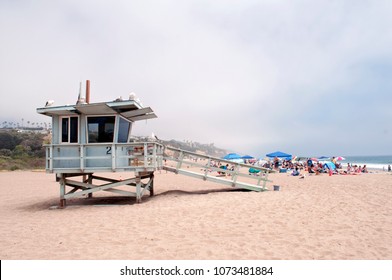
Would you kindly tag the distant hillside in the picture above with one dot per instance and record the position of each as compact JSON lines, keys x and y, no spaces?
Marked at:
{"x":207,"y":149}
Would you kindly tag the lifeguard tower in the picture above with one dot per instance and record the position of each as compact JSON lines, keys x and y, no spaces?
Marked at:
{"x":89,"y":138}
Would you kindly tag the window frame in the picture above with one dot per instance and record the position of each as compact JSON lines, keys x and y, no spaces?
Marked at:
{"x":69,"y":130}
{"x":118,"y":129}
{"x":101,"y":116}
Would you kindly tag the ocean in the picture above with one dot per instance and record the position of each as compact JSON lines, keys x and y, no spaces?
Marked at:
{"x":372,"y":162}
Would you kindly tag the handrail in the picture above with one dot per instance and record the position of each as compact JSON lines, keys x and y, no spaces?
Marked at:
{"x":104,"y":156}
{"x":262,"y":169}
{"x":205,"y":171}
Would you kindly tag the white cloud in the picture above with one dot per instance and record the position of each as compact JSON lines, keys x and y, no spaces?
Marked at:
{"x":250,"y":75}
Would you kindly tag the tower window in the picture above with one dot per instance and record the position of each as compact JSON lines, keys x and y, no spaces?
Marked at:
{"x":69,"y":129}
{"x":123,"y":130}
{"x":100,"y":129}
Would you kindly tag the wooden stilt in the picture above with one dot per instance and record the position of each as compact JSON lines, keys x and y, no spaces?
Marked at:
{"x":138,"y":188}
{"x":90,"y":182}
{"x":62,"y":203}
{"x":152,"y":184}
{"x":62,"y":190}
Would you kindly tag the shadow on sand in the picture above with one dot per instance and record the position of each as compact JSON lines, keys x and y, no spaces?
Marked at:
{"x":102,"y":201}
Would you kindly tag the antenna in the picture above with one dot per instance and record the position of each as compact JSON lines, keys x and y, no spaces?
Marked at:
{"x":81,"y":100}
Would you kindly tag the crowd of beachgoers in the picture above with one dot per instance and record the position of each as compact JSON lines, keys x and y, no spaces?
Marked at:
{"x":295,"y":167}
{"x":311,"y":166}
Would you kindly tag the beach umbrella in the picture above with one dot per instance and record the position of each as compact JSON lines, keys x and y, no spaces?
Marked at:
{"x":339,"y":158}
{"x":330,"y":165}
{"x":247,"y":157}
{"x":324,"y":158}
{"x":279,"y":155}
{"x":232,"y":156}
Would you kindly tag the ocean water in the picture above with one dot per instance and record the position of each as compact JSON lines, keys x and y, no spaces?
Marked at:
{"x":372,"y":162}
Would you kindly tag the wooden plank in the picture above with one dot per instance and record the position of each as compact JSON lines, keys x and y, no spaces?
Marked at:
{"x":220,"y":180}
{"x":94,"y":188}
{"x":122,"y":192}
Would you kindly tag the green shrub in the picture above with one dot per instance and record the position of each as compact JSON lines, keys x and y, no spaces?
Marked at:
{"x":14,"y":167}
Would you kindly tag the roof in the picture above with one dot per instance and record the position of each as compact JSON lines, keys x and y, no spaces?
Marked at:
{"x":129,"y":109}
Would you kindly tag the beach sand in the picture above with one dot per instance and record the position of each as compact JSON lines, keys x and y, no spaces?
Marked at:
{"x":320,"y":217}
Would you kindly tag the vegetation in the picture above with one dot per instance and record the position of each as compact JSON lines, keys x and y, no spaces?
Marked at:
{"x":22,"y":150}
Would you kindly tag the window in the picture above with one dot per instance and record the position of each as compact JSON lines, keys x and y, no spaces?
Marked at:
{"x":123,"y":131}
{"x":69,"y":129}
{"x":100,"y":129}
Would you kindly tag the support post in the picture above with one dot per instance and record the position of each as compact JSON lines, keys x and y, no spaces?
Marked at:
{"x":90,"y":182}
{"x":152,"y":184}
{"x":138,"y":188}
{"x":62,"y":190}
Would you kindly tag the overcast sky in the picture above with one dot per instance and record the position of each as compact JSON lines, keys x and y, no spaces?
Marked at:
{"x":305,"y":77}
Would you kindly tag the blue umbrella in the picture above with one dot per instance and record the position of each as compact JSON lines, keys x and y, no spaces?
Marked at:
{"x":330,"y":165}
{"x":247,"y":157}
{"x":232,"y":156}
{"x":279,"y":155}
{"x":323,"y":158}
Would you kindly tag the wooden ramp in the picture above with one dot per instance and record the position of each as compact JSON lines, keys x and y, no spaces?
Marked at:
{"x":209,"y":168}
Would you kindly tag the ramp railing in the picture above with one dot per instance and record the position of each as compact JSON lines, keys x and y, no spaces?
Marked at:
{"x":217,"y":170}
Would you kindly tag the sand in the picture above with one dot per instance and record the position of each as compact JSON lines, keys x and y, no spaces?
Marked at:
{"x":320,"y":217}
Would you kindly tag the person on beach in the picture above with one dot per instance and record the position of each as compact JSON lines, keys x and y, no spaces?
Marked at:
{"x":349,"y":168}
{"x":364,"y":169}
{"x":295,"y":172}
{"x":224,"y":167}
{"x":313,"y":169}
{"x":309,"y":164}
{"x":389,"y":168}
{"x":276,"y":163}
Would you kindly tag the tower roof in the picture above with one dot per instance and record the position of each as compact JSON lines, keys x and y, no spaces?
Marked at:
{"x":129,"y":109}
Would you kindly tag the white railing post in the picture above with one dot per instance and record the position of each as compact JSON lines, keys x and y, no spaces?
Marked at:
{"x":49,"y":163}
{"x":207,"y":167}
{"x":81,"y":154}
{"x":154,"y":155}
{"x":114,"y":151}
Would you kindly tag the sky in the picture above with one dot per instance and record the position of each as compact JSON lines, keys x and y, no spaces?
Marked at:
{"x":305,"y":77}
